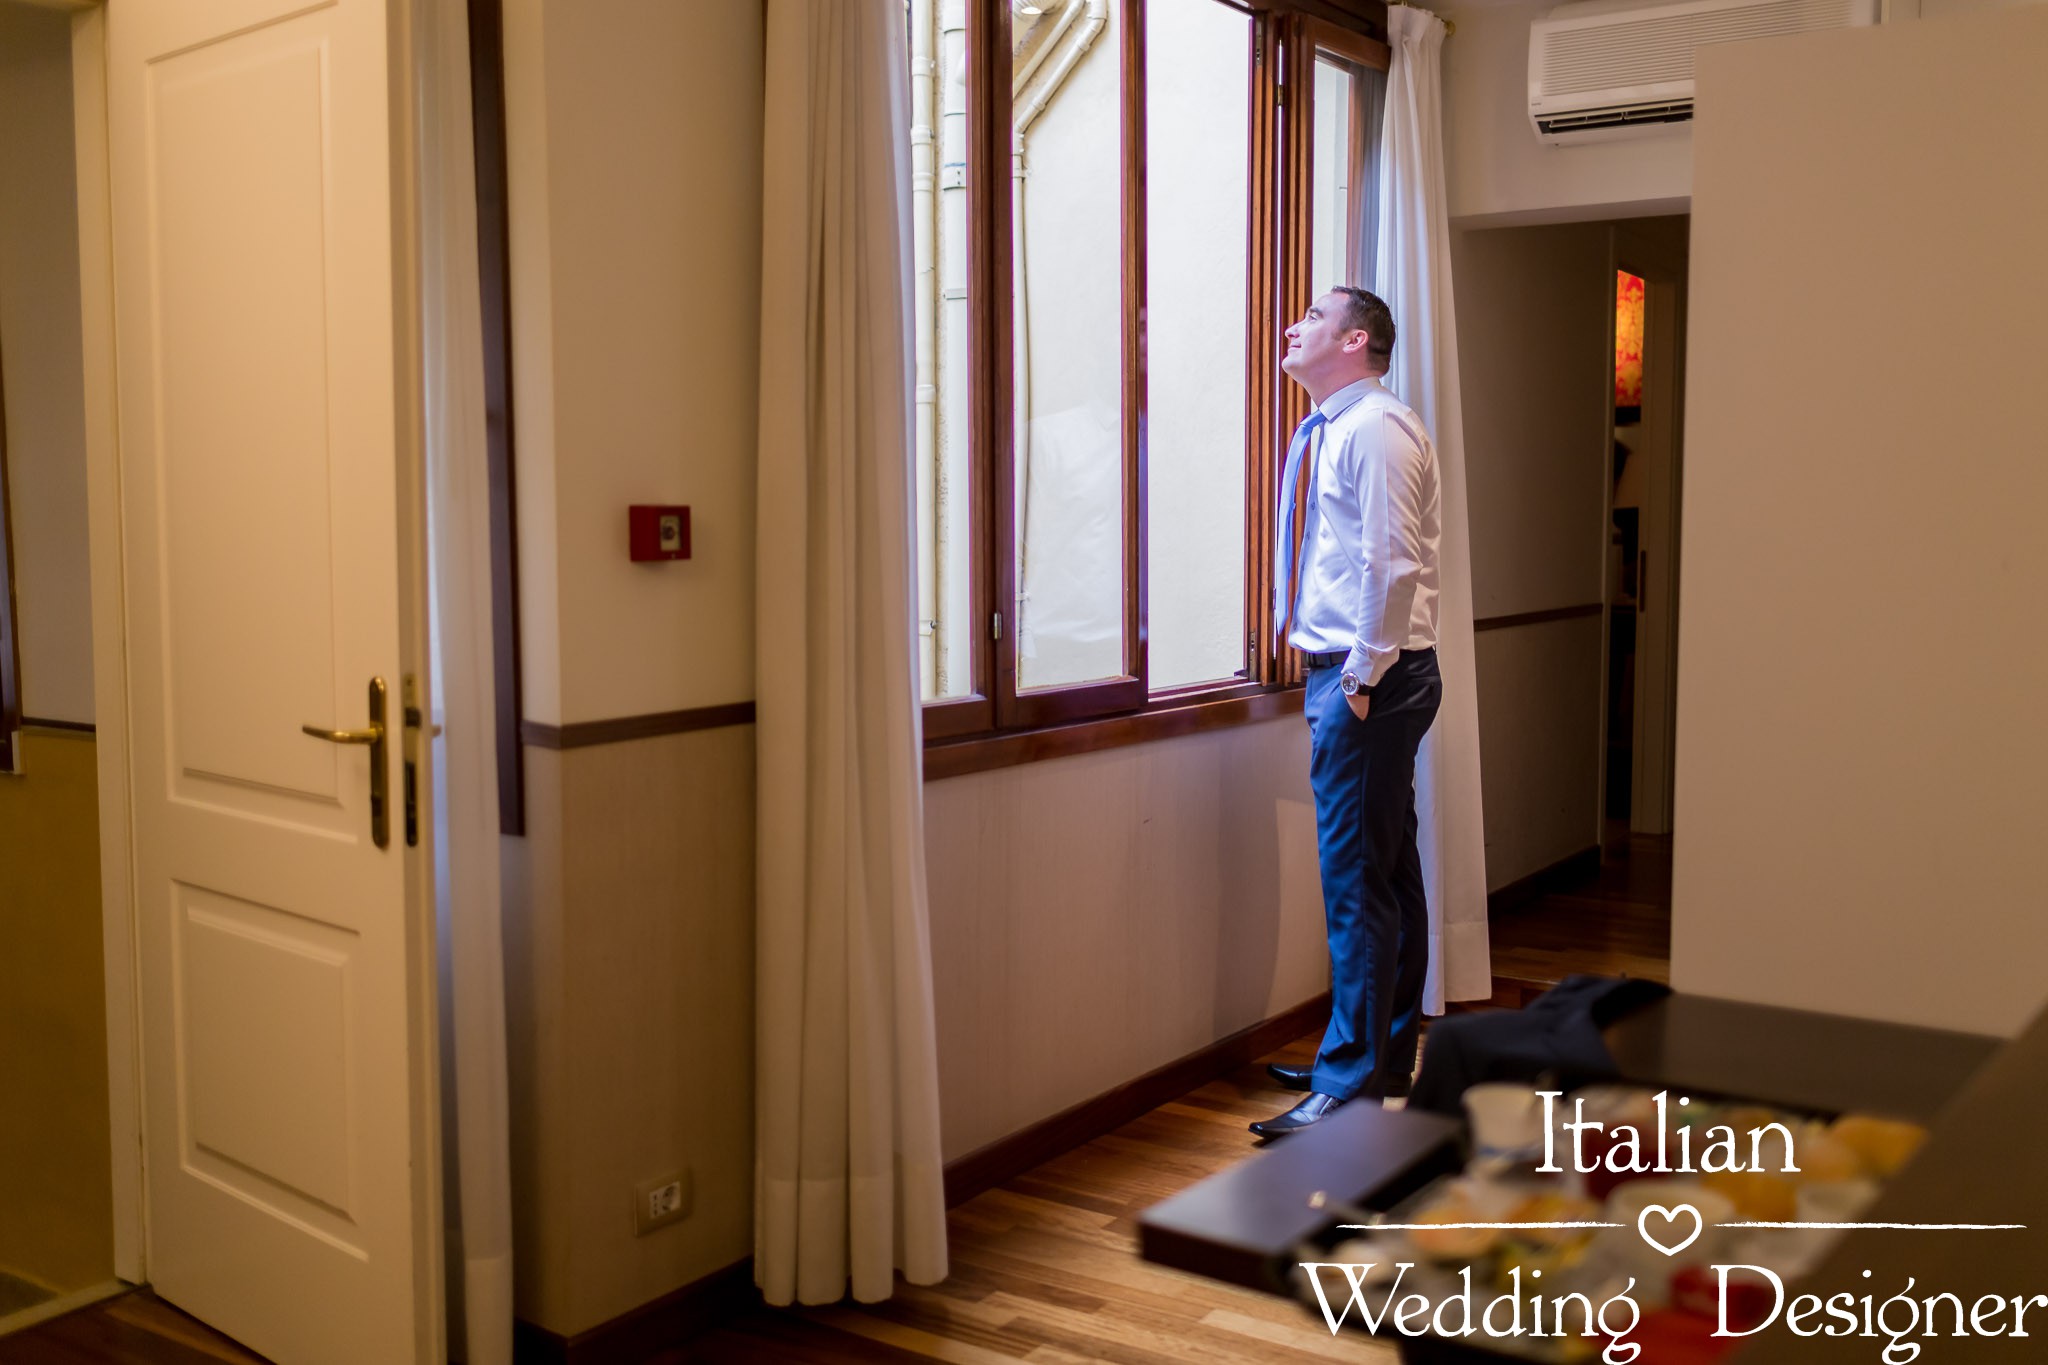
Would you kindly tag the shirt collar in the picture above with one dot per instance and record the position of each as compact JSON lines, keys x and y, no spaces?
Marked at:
{"x":1343,"y":398}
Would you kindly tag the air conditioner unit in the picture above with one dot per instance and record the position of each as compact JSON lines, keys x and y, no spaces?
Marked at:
{"x":1620,"y":68}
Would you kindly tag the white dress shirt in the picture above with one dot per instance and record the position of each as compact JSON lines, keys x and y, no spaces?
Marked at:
{"x":1369,"y":558}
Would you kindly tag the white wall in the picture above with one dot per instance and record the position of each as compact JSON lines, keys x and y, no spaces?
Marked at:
{"x":1494,"y":167}
{"x":1497,"y":171}
{"x":1536,"y":373}
{"x":637,"y":289}
{"x":634,"y":156}
{"x":1098,"y":916}
{"x":1860,"y":743}
{"x":44,"y":380}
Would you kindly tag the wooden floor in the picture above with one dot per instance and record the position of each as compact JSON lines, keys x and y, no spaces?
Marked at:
{"x":135,"y":1329}
{"x":1045,"y":1268}
{"x":1617,"y":923}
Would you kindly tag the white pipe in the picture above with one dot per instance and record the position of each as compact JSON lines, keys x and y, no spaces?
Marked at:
{"x":924,"y":272}
{"x":1033,"y":102}
{"x":1060,"y":24}
{"x":1025,"y":109}
{"x":953,"y":638}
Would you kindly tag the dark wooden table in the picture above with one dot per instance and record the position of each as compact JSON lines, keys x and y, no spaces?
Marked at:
{"x":1247,"y":1225}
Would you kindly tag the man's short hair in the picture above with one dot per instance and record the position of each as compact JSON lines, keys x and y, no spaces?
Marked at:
{"x":1368,"y":312}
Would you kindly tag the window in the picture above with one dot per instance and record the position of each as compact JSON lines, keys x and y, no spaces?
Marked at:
{"x":1116,"y":212}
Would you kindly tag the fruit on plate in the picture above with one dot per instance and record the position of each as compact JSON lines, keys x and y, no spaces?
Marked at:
{"x":1760,"y":1195}
{"x":1552,"y":1207}
{"x":1535,"y":1259}
{"x":1825,"y":1157}
{"x":1883,"y":1144}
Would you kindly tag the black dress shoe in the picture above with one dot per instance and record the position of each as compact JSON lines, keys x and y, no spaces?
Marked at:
{"x":1290,"y":1077}
{"x":1310,"y":1111}
{"x":1303,"y":1077}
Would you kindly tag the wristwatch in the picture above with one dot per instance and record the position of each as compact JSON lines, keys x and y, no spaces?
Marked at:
{"x":1351,"y":686}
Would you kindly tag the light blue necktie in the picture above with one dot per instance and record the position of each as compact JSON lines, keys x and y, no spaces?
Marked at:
{"x":1285,"y":548}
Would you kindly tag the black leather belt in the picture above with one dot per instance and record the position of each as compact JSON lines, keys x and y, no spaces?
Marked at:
{"x":1338,"y":656}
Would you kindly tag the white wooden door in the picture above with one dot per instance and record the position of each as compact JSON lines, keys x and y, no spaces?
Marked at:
{"x":269,"y":455}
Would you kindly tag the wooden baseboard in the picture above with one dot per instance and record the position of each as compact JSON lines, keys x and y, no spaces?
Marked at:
{"x":1566,"y":871}
{"x":1007,"y":1158}
{"x":698,"y":1308}
{"x":646,"y":1331}
{"x":1509,"y":993}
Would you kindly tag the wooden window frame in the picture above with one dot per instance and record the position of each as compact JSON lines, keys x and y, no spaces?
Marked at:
{"x":10,"y":638}
{"x":997,"y":725}
{"x":494,"y":279}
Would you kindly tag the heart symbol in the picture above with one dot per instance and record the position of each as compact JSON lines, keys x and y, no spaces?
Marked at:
{"x":1671,"y":1218}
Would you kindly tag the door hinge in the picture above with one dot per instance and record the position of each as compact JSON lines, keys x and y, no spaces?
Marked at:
{"x":995,"y":626}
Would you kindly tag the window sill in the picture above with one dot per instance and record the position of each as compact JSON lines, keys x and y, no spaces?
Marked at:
{"x":1166,"y":718}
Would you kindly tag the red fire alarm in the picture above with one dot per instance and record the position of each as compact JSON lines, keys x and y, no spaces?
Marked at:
{"x":658,"y":533}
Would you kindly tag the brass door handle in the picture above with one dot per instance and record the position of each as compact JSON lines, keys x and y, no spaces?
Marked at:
{"x":374,"y":735}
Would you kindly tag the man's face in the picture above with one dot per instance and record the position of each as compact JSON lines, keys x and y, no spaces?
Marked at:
{"x":1321,"y":346}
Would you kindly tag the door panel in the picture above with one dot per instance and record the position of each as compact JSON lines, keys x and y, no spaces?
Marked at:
{"x":262,"y":1019}
{"x":237,"y":181}
{"x":268,"y":446}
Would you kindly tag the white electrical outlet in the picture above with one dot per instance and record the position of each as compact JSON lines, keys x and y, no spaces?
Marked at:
{"x":663,"y":1200}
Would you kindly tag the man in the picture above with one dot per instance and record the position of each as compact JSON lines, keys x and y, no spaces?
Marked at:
{"x":1357,"y":594}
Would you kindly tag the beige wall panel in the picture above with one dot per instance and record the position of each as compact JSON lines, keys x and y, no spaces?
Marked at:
{"x":56,"y":1193}
{"x":530,"y":265}
{"x":1536,"y":374}
{"x":1098,"y":916}
{"x":654,"y":164}
{"x":537,"y":1047}
{"x":1860,"y":745}
{"x":658,"y":970}
{"x":1539,"y":738}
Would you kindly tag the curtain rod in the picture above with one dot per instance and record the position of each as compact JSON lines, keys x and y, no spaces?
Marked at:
{"x":1450,"y":25}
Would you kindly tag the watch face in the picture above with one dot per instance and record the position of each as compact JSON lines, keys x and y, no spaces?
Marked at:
{"x":1349,"y":682}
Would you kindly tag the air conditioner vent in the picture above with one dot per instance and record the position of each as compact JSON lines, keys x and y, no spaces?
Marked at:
{"x":1623,"y":116}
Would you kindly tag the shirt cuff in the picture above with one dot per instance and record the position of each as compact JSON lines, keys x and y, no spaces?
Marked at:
{"x":1369,"y":665}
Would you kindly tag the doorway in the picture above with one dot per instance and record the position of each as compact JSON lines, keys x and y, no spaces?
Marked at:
{"x":227,"y":601}
{"x":1644,"y":485}
{"x":56,"y":1193}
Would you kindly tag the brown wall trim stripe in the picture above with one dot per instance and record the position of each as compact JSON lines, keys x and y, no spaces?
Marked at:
{"x":81,"y":727}
{"x":584,"y":733}
{"x":1536,"y":618}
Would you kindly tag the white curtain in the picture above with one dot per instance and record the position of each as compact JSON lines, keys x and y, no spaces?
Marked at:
{"x":464,"y":759}
{"x":848,"y":1179}
{"x":1413,"y":275}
